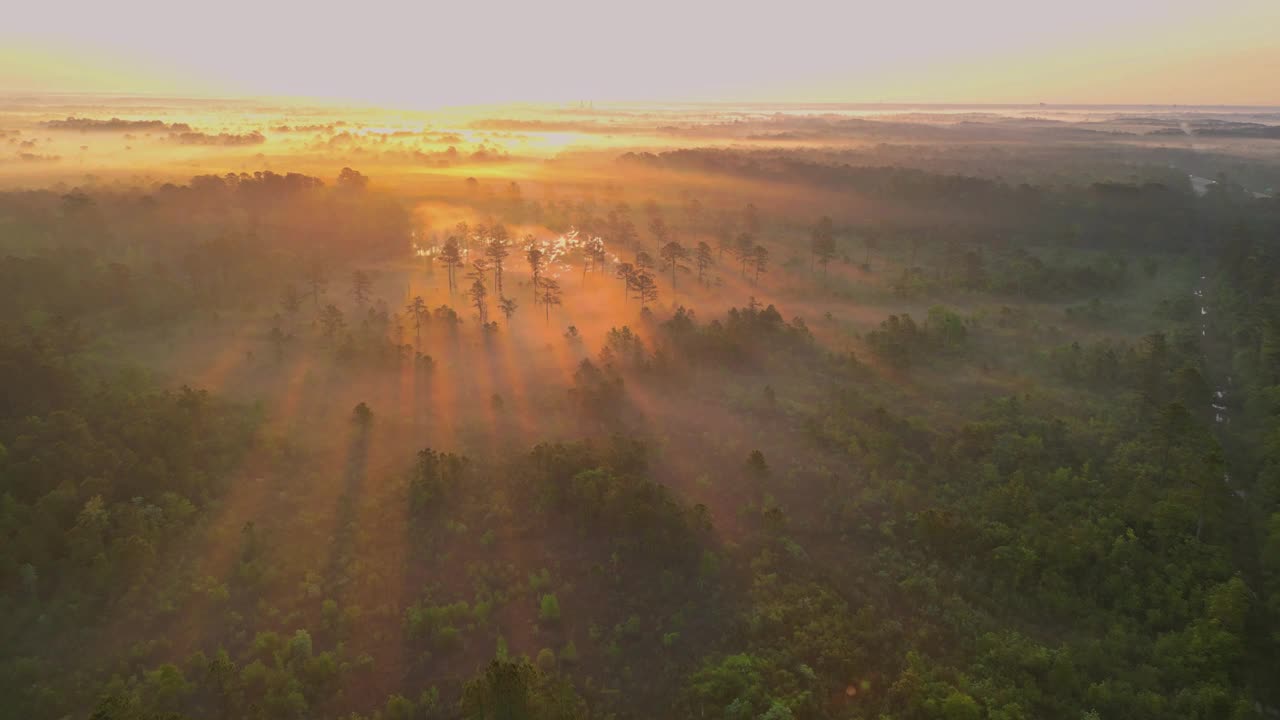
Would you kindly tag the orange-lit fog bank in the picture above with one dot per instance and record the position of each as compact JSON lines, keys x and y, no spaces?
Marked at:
{"x":781,"y":348}
{"x":78,"y":139}
{"x":707,"y":279}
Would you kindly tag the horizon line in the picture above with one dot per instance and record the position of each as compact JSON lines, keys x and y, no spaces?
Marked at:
{"x":853,"y":104}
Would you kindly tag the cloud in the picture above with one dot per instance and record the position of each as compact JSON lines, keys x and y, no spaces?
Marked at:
{"x":115,"y":124}
{"x":226,"y":139}
{"x":35,"y":158}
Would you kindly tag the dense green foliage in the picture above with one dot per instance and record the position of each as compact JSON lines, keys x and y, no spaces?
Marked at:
{"x":1021,"y":464}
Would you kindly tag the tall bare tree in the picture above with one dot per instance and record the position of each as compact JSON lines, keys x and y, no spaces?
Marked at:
{"x":479,"y":295}
{"x":760,"y":261}
{"x":537,"y":260}
{"x":550,"y":295}
{"x":597,"y":254}
{"x":673,"y":253}
{"x":463,"y":237}
{"x":661,"y":233}
{"x":823,"y":243}
{"x":625,"y":235}
{"x":417,"y":310}
{"x":451,"y":256}
{"x":317,"y":282}
{"x":703,"y":259}
{"x":744,"y":249}
{"x":479,"y":233}
{"x":626,"y":272}
{"x":479,"y":270}
{"x":496,"y":251}
{"x":725,"y":234}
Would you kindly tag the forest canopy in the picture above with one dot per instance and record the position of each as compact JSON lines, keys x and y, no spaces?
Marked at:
{"x":702,"y":412}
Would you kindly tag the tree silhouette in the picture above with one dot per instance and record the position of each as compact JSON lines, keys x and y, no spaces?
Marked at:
{"x":703,"y":259}
{"x":693,"y":212}
{"x":331,"y":322}
{"x":291,"y":303}
{"x":478,"y":293}
{"x":537,"y":263}
{"x":744,"y":250}
{"x":451,"y":256}
{"x":508,"y":307}
{"x":516,"y":690}
{"x":417,"y":310}
{"x":645,"y":288}
{"x":725,"y":234}
{"x":463,"y":237}
{"x":362,"y":416}
{"x":673,"y":252}
{"x":349,"y":179}
{"x":823,"y":244}
{"x":623,"y":230}
{"x":361,"y":284}
{"x":870,"y":244}
{"x":760,"y":261}
{"x":316,"y":281}
{"x":661,"y":233}
{"x":626,"y":272}
{"x":550,"y":295}
{"x":478,"y":233}
{"x":399,"y":329}
{"x":594,"y":255}
{"x":278,"y":340}
{"x":496,"y":251}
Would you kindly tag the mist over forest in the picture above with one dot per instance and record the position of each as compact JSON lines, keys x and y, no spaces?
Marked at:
{"x":638,"y":410}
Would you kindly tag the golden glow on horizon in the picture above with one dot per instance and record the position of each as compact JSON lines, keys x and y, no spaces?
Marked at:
{"x":434,"y":55}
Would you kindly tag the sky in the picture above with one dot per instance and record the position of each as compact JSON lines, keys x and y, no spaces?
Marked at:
{"x":429,"y":54}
